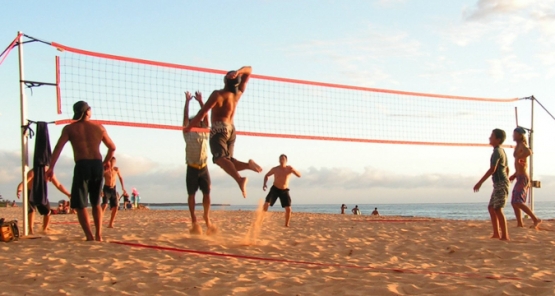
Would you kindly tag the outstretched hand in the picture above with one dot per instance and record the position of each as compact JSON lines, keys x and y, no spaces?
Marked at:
{"x":198,"y":96}
{"x":188,"y":96}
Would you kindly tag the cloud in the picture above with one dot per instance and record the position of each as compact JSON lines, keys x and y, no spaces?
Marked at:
{"x":486,"y":9}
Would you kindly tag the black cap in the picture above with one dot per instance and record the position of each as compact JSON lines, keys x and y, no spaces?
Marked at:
{"x":79,"y":110}
{"x":520,"y":130}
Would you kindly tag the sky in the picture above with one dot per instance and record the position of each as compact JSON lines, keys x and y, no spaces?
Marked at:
{"x":482,"y":48}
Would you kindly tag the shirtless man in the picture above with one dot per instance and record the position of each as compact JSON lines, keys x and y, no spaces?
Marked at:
{"x":222,"y":134}
{"x":85,"y":138}
{"x":109,"y":190}
{"x":280,"y":189}
{"x":32,"y":206}
{"x":520,"y":191}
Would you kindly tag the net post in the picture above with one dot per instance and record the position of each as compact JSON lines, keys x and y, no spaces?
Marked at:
{"x":24,"y":137}
{"x":531,"y":168}
{"x":58,"y":92}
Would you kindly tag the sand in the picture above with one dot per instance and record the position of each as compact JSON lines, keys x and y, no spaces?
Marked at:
{"x":152,"y":253}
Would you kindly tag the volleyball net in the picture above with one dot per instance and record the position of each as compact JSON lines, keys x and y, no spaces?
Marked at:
{"x":142,"y":93}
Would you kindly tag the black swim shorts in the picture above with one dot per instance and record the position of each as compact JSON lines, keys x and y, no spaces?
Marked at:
{"x":33,"y":207}
{"x":87,"y":180}
{"x":282,"y":194}
{"x":110,"y":195}
{"x":222,"y":140}
{"x":198,"y":178}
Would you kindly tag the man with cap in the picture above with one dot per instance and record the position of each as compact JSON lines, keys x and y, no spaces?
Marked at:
{"x":85,"y":138}
{"x":520,"y":190}
{"x":222,"y":133}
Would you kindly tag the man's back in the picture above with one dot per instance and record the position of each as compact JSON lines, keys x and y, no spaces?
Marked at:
{"x":224,"y":108}
{"x":85,"y":138}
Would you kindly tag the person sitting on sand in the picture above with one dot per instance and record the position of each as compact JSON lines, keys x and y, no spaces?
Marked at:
{"x":343,"y":208}
{"x":355,"y":210}
{"x":375,"y":212}
{"x":280,"y":188}
{"x":520,"y":191}
{"x":196,"y":156}
{"x":14,"y":204}
{"x":32,"y":206}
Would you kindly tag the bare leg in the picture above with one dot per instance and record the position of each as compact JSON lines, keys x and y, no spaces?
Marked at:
{"x":46,"y":222}
{"x":97,"y":216}
{"x":518,"y":215}
{"x":31,"y":221}
{"x":266,"y":206}
{"x":502,"y":224}
{"x":494,"y":222}
{"x":211,"y":228}
{"x":113,"y":217}
{"x":196,"y":229}
{"x":104,"y":207}
{"x":529,"y":212}
{"x":251,"y":165}
{"x":287,"y":216}
{"x":83,"y":217}
{"x":230,"y":169}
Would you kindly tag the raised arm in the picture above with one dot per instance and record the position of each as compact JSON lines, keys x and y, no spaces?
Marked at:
{"x":121,"y":180}
{"x":198,"y":96}
{"x":188,"y":98}
{"x":110,"y":145}
{"x":56,"y":153}
{"x":245,"y":73}
{"x":271,"y":172}
{"x":60,"y":187}
{"x":203,"y":111}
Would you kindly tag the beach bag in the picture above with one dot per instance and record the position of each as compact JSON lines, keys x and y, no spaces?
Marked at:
{"x":8,"y":230}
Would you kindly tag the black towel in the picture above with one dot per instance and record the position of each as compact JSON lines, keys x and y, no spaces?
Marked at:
{"x":40,"y":160}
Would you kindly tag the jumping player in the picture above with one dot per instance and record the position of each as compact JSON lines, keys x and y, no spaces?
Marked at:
{"x":498,"y":171}
{"x":196,"y":157}
{"x":85,"y":138}
{"x":280,"y":189}
{"x":520,"y":190}
{"x":109,"y":190}
{"x":222,"y":134}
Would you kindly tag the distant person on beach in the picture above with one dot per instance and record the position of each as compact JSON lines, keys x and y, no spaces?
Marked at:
{"x":355,"y":210}
{"x":280,"y":188}
{"x":32,"y":207}
{"x":135,"y":198}
{"x":222,"y":134}
{"x":111,"y":174}
{"x":375,"y":212}
{"x":499,"y":172}
{"x":14,"y":204}
{"x":85,"y":138}
{"x":196,"y":157}
{"x":520,"y":190}
{"x":343,"y":208}
{"x":126,"y":201}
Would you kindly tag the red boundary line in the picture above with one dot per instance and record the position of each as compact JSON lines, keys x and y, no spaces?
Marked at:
{"x":394,"y":221}
{"x":58,"y":91}
{"x":10,"y":47}
{"x":378,"y":269}
{"x":272,"y":78}
{"x":286,"y":136}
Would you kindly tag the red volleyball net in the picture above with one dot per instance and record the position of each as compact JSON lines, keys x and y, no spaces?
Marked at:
{"x":142,"y":93}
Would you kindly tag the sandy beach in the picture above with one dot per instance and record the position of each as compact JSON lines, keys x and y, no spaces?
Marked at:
{"x":152,"y":253}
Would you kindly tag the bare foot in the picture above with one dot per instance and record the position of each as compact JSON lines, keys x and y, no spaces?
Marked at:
{"x":520,"y":226}
{"x":496,"y":236}
{"x":243,"y":186}
{"x":537,"y":224}
{"x":253,"y":166}
{"x":505,"y":239}
{"x":111,"y":226}
{"x":212,"y":230}
{"x":196,"y":229}
{"x":98,"y":238}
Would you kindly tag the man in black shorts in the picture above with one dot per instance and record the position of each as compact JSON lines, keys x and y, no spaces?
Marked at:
{"x":85,"y":138}
{"x":280,"y":189}
{"x":196,"y":144}
{"x":222,"y":134}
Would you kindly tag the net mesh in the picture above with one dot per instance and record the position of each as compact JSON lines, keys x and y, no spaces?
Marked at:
{"x":138,"y":93}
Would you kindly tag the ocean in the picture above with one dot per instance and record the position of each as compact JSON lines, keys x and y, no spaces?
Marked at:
{"x":457,"y":211}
